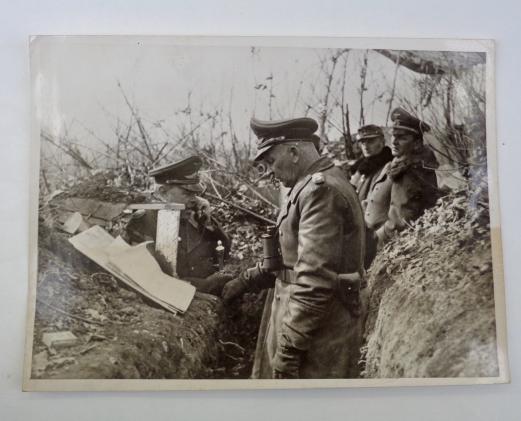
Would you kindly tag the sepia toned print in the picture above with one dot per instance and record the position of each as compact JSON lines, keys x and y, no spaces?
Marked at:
{"x":263,"y":212}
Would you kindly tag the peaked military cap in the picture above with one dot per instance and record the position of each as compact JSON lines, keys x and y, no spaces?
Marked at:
{"x":183,"y":172}
{"x":369,"y":131}
{"x":271,"y":133}
{"x":404,"y":121}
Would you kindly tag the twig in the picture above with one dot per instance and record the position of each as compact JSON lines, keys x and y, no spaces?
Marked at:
{"x":232,"y":344}
{"x":213,"y":186}
{"x":363,"y":77}
{"x":85,"y":350}
{"x":74,"y":154}
{"x":247,"y":183}
{"x":248,"y":211}
{"x":391,"y":99}
{"x":260,"y":196}
{"x":141,"y":128}
{"x":72,"y":316}
{"x":182,"y":139}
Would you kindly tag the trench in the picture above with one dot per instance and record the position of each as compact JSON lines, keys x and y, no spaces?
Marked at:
{"x":120,"y":334}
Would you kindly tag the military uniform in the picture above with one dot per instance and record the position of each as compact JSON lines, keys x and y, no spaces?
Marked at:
{"x":404,"y":188}
{"x":196,"y":252}
{"x":410,"y":189}
{"x":321,"y":233}
{"x":199,"y":232}
{"x":367,"y":171}
{"x":376,"y":205}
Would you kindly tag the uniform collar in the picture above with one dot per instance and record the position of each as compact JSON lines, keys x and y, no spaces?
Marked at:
{"x":383,"y":173}
{"x":322,"y":164}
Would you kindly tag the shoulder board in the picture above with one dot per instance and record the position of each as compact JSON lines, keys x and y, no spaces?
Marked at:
{"x":318,"y":178}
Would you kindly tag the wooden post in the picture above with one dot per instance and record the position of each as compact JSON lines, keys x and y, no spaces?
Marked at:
{"x":167,"y":233}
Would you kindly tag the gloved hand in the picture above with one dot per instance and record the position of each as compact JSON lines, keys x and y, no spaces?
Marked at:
{"x":286,"y":363}
{"x":212,"y":284}
{"x":233,"y":289}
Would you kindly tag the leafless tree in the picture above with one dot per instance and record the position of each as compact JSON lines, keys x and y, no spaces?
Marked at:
{"x":363,"y":88}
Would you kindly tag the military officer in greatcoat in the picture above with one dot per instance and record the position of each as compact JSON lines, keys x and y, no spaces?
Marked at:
{"x":199,"y":232}
{"x":375,"y":156}
{"x":367,"y":170}
{"x":406,"y":186}
{"x":313,"y":326}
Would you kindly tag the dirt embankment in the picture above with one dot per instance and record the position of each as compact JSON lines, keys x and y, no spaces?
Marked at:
{"x":431,"y":310}
{"x":123,"y":335}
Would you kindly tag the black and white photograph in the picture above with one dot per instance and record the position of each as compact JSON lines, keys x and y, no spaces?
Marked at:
{"x":256,"y":212}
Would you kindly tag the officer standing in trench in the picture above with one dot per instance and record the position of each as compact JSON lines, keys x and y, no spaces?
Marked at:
{"x":199,"y":232}
{"x":366,"y":171}
{"x":406,"y":186}
{"x":314,"y":328}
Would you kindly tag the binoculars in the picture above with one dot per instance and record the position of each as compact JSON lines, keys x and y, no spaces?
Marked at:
{"x":272,"y":257}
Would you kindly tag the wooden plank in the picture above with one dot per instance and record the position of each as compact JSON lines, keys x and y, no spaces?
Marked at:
{"x":167,"y":239}
{"x":156,"y":206}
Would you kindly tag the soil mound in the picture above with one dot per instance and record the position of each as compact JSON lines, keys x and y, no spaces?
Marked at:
{"x":431,"y":308}
{"x":122,"y":334}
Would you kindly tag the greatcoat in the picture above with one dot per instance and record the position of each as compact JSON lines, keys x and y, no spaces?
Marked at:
{"x":321,"y":232}
{"x":368,"y":171}
{"x":400,"y":195}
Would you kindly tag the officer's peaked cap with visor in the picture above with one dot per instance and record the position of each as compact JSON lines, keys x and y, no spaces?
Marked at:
{"x":271,"y":133}
{"x":183,"y":173}
{"x":404,"y":122}
{"x":369,"y":131}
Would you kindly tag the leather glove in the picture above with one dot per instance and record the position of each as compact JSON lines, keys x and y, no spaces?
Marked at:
{"x":286,"y":363}
{"x":212,"y":284}
{"x":233,"y":289}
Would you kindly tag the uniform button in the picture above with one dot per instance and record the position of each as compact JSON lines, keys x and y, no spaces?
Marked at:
{"x":277,"y":297}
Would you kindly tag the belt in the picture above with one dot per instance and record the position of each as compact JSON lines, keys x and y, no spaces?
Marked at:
{"x":287,"y":275}
{"x":350,"y":281}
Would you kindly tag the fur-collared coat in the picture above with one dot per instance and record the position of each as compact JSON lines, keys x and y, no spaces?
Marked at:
{"x":401,"y":193}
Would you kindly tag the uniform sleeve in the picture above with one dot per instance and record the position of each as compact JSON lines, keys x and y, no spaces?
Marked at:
{"x":415,"y":193}
{"x":320,"y":233}
{"x":256,"y":278}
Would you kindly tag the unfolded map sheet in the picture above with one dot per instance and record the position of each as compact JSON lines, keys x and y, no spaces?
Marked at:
{"x":136,"y":267}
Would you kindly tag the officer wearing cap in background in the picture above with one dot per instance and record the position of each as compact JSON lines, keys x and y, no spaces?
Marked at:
{"x":314,"y":328}
{"x":199,"y":232}
{"x":367,"y":170}
{"x":406,"y":186}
